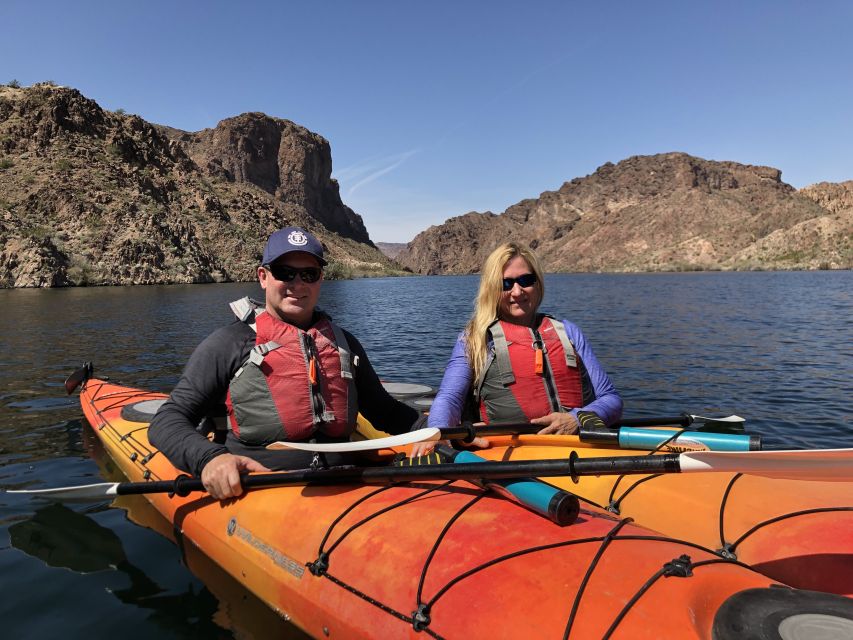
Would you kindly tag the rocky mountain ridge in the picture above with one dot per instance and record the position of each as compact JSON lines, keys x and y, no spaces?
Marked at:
{"x":89,"y":196}
{"x":92,"y":197}
{"x":666,"y":212}
{"x":391,"y":249}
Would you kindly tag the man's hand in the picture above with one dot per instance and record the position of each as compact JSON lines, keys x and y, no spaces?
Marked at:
{"x":221,"y":476}
{"x":559,"y":424}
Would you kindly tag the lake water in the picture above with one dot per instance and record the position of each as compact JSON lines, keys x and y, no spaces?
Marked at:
{"x":776,"y":348}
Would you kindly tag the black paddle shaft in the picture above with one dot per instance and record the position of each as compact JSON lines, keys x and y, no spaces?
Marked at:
{"x":572,"y":467}
{"x":467,"y":432}
{"x":182,"y":485}
{"x":684,"y":420}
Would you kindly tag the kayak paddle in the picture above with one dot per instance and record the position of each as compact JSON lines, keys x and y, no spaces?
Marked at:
{"x":466,"y":432}
{"x":78,"y":376}
{"x":727,"y":424}
{"x":401,"y":440}
{"x":808,"y":464}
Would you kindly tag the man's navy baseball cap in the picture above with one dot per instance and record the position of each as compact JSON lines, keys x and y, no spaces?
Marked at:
{"x":291,"y":239}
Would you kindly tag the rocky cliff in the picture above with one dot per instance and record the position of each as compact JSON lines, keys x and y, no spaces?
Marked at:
{"x":391,"y":249}
{"x":89,"y":196}
{"x":835,"y":197}
{"x":665,"y":212}
{"x":287,"y":161}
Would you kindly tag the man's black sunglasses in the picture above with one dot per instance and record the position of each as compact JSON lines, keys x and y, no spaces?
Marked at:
{"x":287,"y":274}
{"x":525,"y":280}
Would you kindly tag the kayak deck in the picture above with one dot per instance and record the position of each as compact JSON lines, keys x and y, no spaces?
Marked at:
{"x":445,"y":559}
{"x":798,"y":532}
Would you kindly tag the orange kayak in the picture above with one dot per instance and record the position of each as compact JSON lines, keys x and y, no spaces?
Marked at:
{"x":450,"y":560}
{"x":797,"y":532}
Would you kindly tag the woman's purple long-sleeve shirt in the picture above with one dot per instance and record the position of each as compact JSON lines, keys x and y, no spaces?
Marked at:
{"x":446,"y":410}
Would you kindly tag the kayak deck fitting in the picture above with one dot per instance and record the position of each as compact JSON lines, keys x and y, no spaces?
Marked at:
{"x":448,"y":559}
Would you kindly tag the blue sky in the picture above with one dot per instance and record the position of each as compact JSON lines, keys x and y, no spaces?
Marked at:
{"x":434,"y":109}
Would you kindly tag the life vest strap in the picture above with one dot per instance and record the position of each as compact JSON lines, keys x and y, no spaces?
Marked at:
{"x":343,"y":350}
{"x":245,"y":309}
{"x":348,"y":361}
{"x":502,"y":353}
{"x":568,"y":347}
{"x":477,"y":388}
{"x":259,"y":352}
{"x":498,"y":351}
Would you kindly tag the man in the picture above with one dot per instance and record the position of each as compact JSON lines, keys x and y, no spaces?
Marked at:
{"x":282,"y":371}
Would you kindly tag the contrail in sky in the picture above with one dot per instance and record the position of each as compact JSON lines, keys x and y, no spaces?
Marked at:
{"x":375,"y":168}
{"x":372,"y":169}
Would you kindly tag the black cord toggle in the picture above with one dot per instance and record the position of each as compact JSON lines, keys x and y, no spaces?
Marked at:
{"x":680,"y":567}
{"x":420,"y":618}
{"x":320,"y":566}
{"x":727,"y":551}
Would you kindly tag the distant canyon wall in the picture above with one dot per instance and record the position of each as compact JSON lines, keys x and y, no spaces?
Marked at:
{"x":666,"y":212}
{"x":93,"y":197}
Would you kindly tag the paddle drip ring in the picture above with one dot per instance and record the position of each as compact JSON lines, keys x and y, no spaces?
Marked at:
{"x":573,"y":457}
{"x":468,"y":439}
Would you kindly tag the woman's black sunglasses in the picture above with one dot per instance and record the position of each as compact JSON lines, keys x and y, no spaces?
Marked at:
{"x":287,"y":274}
{"x":524,"y":281}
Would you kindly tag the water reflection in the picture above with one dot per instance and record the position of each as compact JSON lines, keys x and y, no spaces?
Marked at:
{"x":63,"y":538}
{"x":59,"y":537}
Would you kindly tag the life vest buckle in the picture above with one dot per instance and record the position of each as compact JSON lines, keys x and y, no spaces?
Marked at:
{"x":259,"y":352}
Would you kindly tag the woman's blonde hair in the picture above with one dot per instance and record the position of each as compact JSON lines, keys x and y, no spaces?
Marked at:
{"x":489,"y":298}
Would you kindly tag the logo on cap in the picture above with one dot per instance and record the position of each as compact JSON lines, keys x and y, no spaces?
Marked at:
{"x":297,"y":238}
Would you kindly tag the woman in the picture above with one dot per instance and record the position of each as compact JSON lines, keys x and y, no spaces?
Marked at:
{"x":513,"y":364}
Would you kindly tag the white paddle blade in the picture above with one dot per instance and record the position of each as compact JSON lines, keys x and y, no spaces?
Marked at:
{"x":421,"y":435}
{"x":731,"y":418}
{"x":81,"y":492}
{"x":833,"y":465}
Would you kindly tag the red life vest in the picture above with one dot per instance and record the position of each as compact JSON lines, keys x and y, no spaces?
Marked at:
{"x":533,"y":372}
{"x":294,"y":382}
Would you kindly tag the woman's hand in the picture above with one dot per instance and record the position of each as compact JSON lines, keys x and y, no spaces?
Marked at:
{"x":221,"y":476}
{"x":559,"y":424}
{"x":425,"y":448}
